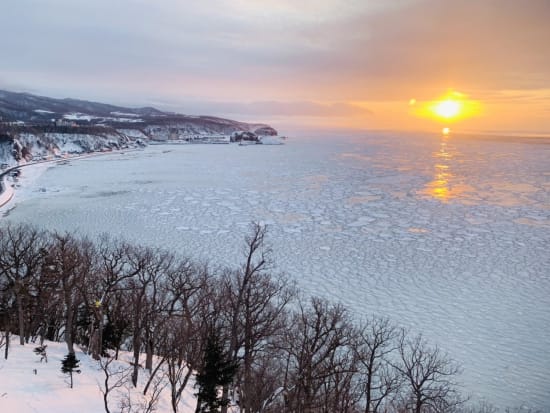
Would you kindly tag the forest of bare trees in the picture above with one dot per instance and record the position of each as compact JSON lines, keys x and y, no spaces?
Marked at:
{"x":291,"y":353}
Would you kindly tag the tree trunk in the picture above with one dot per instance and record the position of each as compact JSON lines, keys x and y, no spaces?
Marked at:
{"x":100,"y":336}
{"x":184,"y":383}
{"x":149,"y":355}
{"x":97,"y":348}
{"x":69,"y":330}
{"x":369,"y":387}
{"x":137,"y":347}
{"x":247,"y":380}
{"x":198,"y":408}
{"x":94,"y":345}
{"x":152,"y":375}
{"x":418,"y":407}
{"x":225,"y":396}
{"x":6,"y":350}
{"x":21,"y":319}
{"x":106,"y":402}
{"x":174,"y":403}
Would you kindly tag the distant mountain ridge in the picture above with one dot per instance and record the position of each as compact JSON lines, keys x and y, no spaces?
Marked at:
{"x":38,"y":127}
{"x":37,"y":110}
{"x":23,"y":106}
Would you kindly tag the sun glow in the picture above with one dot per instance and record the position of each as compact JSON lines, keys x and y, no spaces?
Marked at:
{"x":452,"y":107}
{"x":448,"y":108}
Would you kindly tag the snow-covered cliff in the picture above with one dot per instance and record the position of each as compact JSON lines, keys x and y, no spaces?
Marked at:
{"x":37,"y":127}
{"x":28,"y":146}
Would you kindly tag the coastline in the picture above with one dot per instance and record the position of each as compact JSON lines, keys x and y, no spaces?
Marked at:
{"x":7,"y":191}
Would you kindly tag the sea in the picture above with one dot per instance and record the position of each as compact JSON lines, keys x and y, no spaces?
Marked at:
{"x":447,"y":235}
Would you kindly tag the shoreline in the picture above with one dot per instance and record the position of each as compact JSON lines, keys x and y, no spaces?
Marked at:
{"x":7,"y":191}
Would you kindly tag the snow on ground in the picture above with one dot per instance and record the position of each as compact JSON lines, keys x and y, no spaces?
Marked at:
{"x":447,"y":236}
{"x":124,"y":114}
{"x":78,"y":116}
{"x":28,"y":385}
{"x":122,"y":120}
{"x":14,"y":189}
{"x":121,"y":117}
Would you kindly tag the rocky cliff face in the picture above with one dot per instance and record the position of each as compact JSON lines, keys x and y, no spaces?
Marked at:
{"x":27,"y":146}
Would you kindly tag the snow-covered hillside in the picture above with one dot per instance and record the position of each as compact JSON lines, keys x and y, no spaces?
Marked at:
{"x":25,"y":147}
{"x":36,"y":127}
{"x":27,"y":109}
{"x":28,"y":384}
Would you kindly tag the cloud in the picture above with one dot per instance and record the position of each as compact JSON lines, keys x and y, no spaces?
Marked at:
{"x":426,"y":46}
{"x":370,"y":49}
{"x":275,"y":52}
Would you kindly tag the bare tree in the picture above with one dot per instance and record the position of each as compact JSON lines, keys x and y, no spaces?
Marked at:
{"x":429,"y":376}
{"x":179,"y":312}
{"x":114,"y":268}
{"x":191,"y":308}
{"x":114,"y":378}
{"x":157,"y":385}
{"x":340,"y":391}
{"x":6,"y":314}
{"x":254,"y":310}
{"x":22,"y":253}
{"x":139,"y":289}
{"x":118,"y":321}
{"x":256,"y":260}
{"x":173,"y":283}
{"x":377,"y":341}
{"x":181,"y":353}
{"x":261,"y":316}
{"x":266,"y":377}
{"x":317,"y":345}
{"x":70,"y":261}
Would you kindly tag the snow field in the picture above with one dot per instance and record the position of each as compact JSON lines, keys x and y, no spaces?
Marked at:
{"x":23,"y":391}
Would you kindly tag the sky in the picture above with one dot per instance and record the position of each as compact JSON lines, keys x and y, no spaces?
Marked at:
{"x":298,"y":65}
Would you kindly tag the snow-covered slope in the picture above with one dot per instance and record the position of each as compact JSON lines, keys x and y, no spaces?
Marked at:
{"x":29,"y":385}
{"x":34,"y":127}
{"x":27,"y":146}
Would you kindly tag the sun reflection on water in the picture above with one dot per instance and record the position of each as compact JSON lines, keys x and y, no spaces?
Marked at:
{"x":441,"y":187}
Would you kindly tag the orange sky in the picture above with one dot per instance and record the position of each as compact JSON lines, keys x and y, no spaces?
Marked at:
{"x":298,"y":65}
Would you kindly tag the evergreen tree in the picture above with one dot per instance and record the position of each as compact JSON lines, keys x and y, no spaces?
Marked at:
{"x":69,"y":365}
{"x":217,"y":371}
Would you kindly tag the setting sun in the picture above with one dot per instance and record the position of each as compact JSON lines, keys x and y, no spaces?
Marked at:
{"x":448,"y":108}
